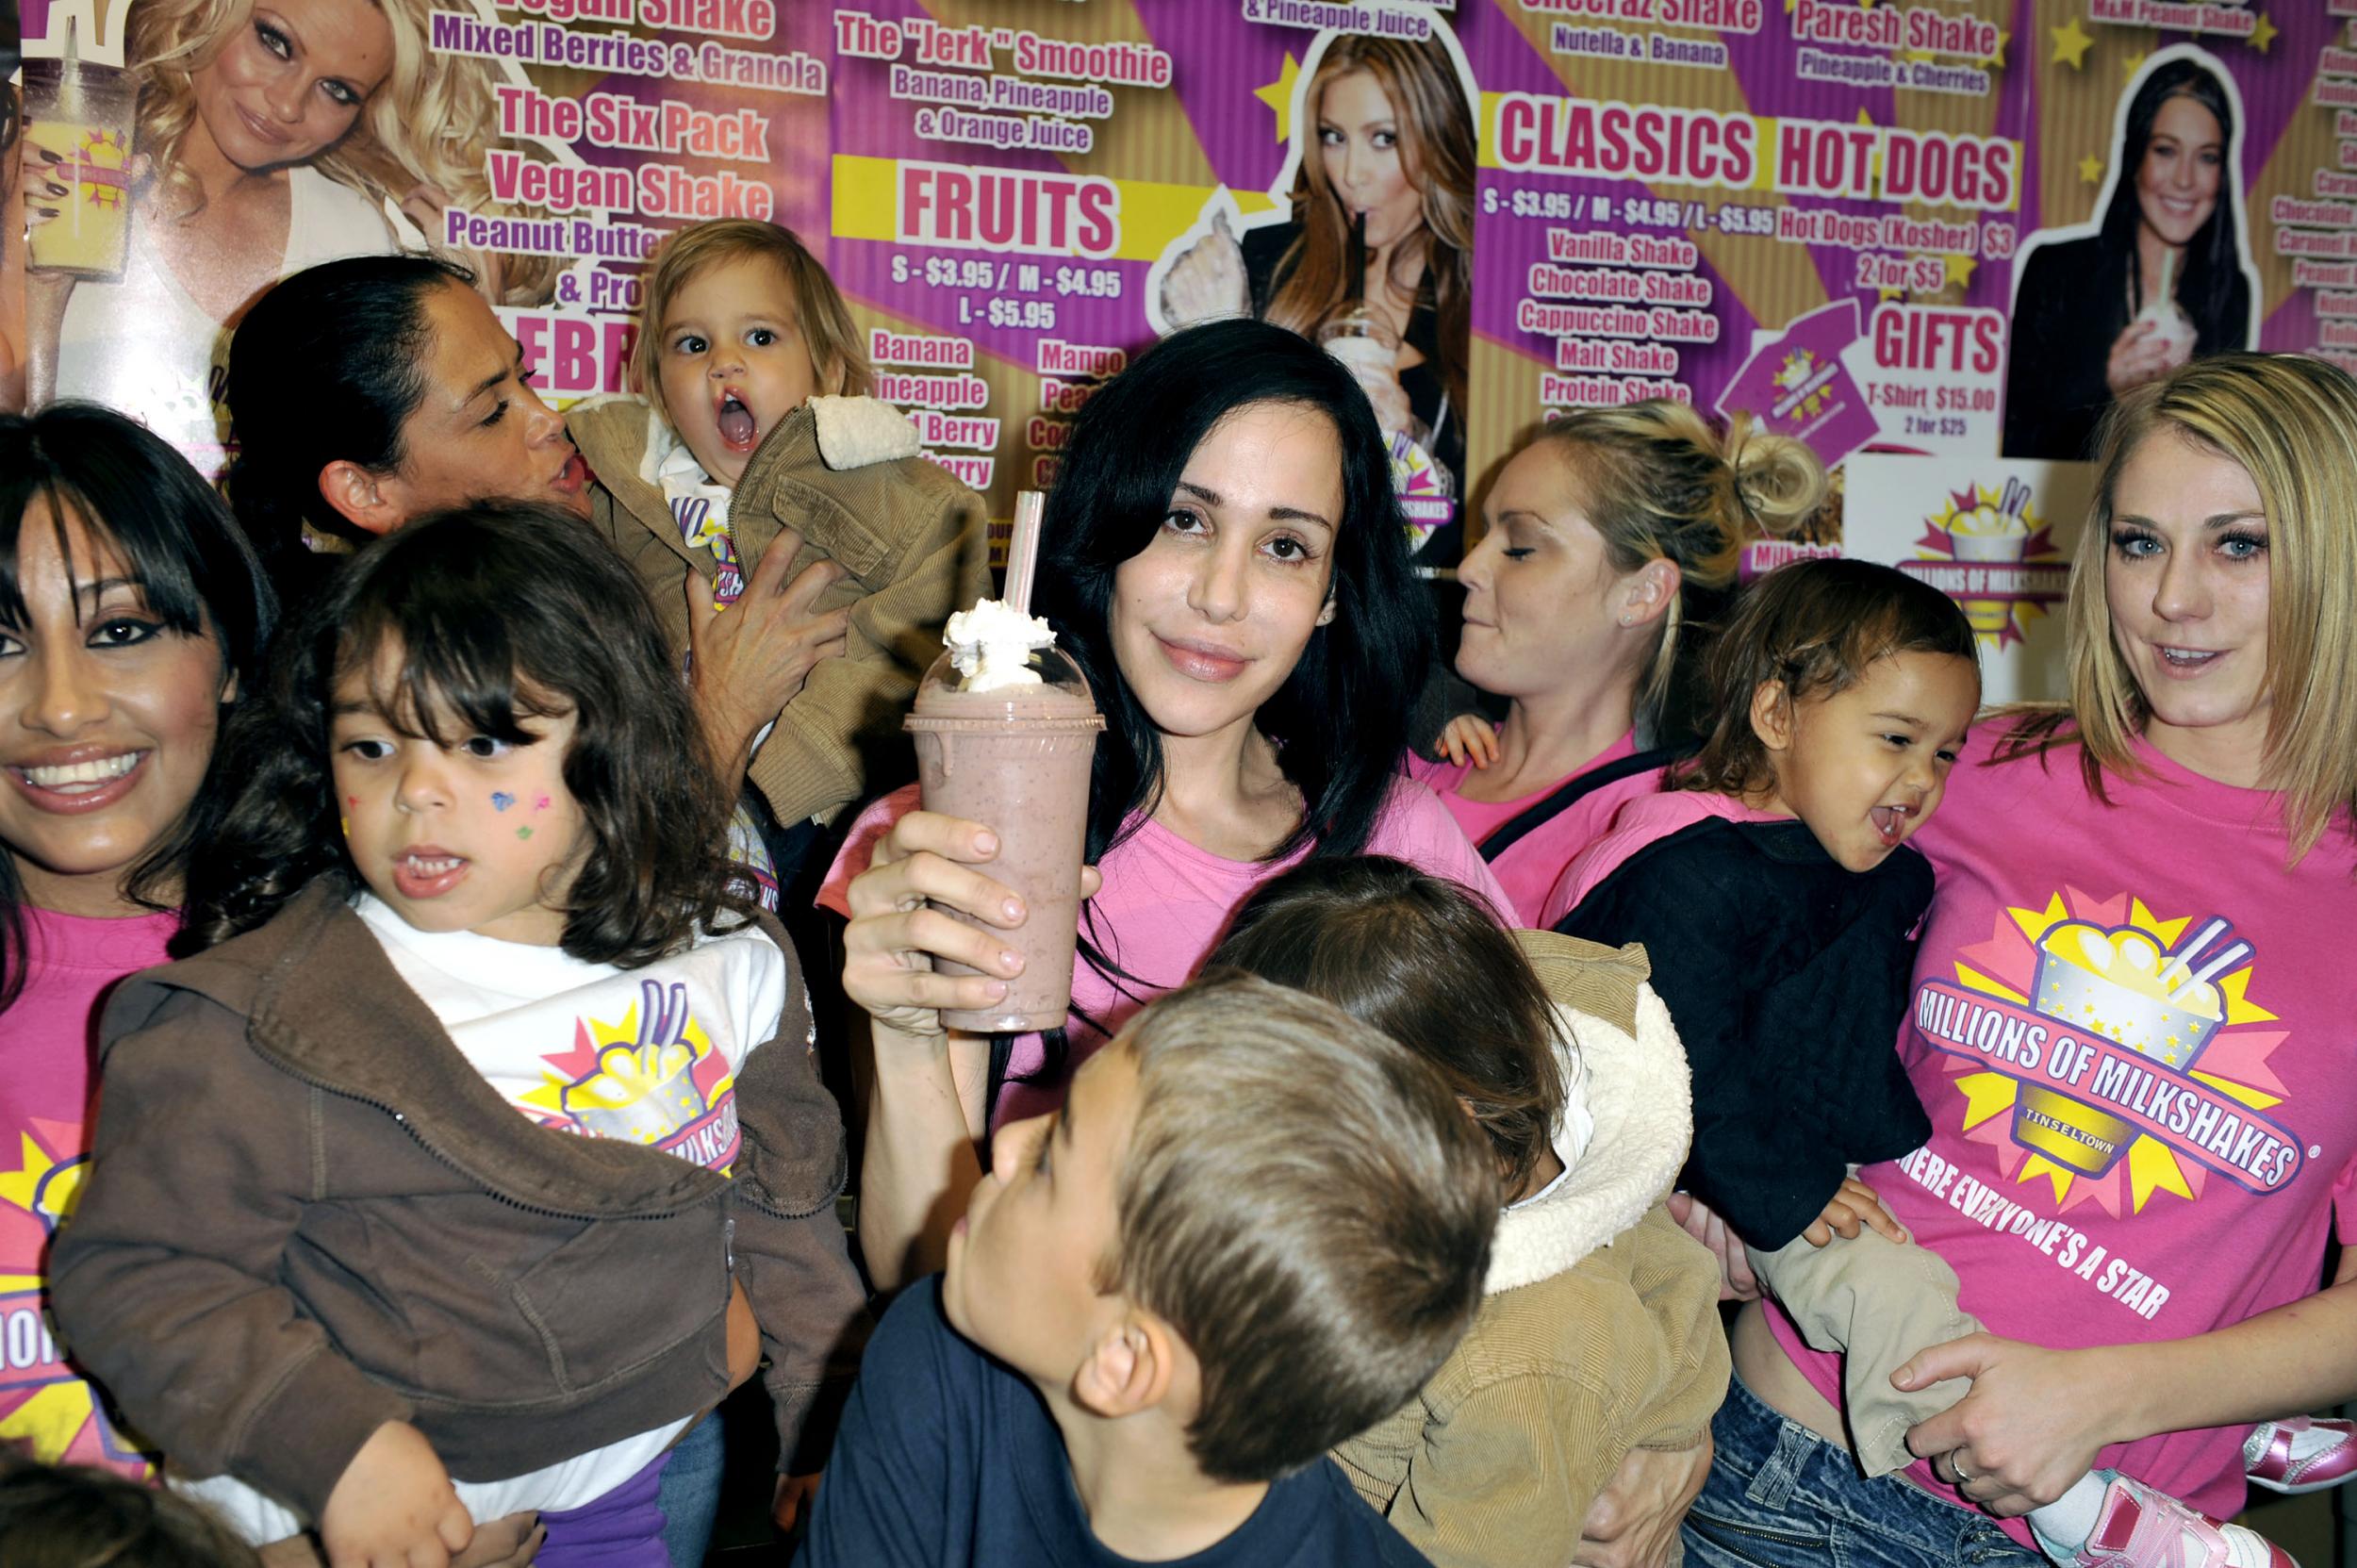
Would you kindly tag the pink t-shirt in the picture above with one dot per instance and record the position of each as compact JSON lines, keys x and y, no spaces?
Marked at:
{"x":2119,"y":1156}
{"x":48,"y":1040}
{"x":1529,"y":866}
{"x":1165,"y":904}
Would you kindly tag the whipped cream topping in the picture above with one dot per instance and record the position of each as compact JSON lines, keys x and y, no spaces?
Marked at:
{"x":991,"y":645}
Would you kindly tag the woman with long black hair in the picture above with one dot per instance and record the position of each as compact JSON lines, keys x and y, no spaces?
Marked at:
{"x":2161,"y":280}
{"x":1225,"y":561}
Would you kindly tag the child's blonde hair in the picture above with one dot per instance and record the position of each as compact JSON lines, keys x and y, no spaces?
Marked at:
{"x":824,"y":320}
{"x":1659,"y":482}
{"x":1814,"y":627}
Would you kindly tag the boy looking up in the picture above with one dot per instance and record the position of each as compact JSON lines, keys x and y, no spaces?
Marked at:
{"x":1254,"y":1229}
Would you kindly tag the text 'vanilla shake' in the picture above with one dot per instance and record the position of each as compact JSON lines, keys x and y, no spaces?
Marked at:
{"x":1005,"y":732}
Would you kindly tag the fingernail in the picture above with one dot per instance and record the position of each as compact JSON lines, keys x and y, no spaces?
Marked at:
{"x":57,"y":190}
{"x":998,"y":990}
{"x":1012,"y":909}
{"x":1011,"y":962}
{"x":46,"y":211}
{"x":987,"y":843}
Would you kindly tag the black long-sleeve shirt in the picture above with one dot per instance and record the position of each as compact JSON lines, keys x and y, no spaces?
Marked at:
{"x":1786,"y":976}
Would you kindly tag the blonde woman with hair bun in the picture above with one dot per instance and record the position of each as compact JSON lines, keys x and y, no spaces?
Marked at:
{"x":1596,"y":533}
{"x":271,"y":135}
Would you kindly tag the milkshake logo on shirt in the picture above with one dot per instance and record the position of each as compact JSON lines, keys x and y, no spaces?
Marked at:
{"x":44,"y":1404}
{"x":2118,"y":1055}
{"x":1987,"y":550}
{"x":654,"y":1078}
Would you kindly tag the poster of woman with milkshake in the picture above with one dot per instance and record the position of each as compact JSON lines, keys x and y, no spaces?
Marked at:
{"x":236,"y":143}
{"x":2161,"y":275}
{"x":1369,"y":251}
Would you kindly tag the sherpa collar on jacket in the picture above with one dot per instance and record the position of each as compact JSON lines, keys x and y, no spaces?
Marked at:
{"x":1639,"y":1101}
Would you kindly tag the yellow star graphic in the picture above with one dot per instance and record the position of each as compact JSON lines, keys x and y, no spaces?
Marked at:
{"x":2263,"y":33}
{"x":1998,"y":59}
{"x":2091,"y":170}
{"x":1959,"y":269}
{"x":2133,"y":62}
{"x":2072,"y":44}
{"x":1278,"y":96}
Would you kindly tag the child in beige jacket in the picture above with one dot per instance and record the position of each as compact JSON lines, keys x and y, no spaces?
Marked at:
{"x":754,"y":440}
{"x":1599,"y":1328}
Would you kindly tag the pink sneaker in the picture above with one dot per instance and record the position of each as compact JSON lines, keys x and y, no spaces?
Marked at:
{"x":2301,"y":1453}
{"x":2139,"y":1527}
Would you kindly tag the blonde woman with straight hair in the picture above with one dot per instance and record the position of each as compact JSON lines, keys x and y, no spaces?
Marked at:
{"x":2128,"y":1024}
{"x":271,"y":135}
{"x":1597,"y":534}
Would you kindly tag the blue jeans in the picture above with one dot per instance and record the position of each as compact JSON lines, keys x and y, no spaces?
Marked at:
{"x":691,"y":1492}
{"x":1780,"y":1497}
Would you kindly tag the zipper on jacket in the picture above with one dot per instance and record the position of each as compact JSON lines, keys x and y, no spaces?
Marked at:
{"x":402,"y":1119}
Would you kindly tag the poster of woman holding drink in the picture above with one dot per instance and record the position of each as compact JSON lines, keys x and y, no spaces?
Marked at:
{"x":1370,"y":251}
{"x":2163,"y":275}
{"x":242,"y":141}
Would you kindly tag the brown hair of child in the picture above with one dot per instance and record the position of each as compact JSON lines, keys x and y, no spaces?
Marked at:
{"x":69,"y":1516}
{"x":1429,"y":963}
{"x":1814,"y":628}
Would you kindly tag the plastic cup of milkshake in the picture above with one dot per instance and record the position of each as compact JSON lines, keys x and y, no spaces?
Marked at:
{"x":1005,"y":732}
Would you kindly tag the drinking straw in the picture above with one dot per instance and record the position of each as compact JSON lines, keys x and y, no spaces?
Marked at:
{"x":1354,"y":262}
{"x":2224,"y":961}
{"x":1023,"y":550}
{"x":2180,"y":962}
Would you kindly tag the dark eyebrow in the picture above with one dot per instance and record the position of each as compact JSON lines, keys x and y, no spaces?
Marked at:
{"x":1282,"y":513}
{"x":1901,"y":719}
{"x":493,"y":379}
{"x":104,"y":586}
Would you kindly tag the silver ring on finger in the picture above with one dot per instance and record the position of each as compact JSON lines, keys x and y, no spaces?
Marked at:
{"x":1964,"y":1477}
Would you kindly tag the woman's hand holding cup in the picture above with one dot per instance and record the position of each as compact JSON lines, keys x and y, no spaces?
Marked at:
{"x":896,"y":931}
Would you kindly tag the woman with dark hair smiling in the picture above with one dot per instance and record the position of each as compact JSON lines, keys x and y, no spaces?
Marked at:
{"x":1226,"y":563}
{"x":2160,"y":280}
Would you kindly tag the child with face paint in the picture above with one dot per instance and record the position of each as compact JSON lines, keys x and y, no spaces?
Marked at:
{"x":467,"y":897}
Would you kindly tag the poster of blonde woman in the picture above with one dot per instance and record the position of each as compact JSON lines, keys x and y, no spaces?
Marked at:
{"x":175,"y":170}
{"x":1367,"y":248}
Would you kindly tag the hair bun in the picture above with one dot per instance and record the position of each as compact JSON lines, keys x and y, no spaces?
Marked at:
{"x":1779,"y":480}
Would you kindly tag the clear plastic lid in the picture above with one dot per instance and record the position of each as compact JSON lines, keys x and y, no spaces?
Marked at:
{"x":945,"y":687}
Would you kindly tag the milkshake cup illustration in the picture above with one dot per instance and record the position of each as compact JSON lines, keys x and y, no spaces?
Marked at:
{"x":2121,"y":986}
{"x":639,"y":1095}
{"x":1994,"y":532}
{"x":82,"y":114}
{"x":1005,"y":731}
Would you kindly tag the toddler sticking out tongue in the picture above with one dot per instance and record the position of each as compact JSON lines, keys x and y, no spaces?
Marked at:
{"x":736,"y":422}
